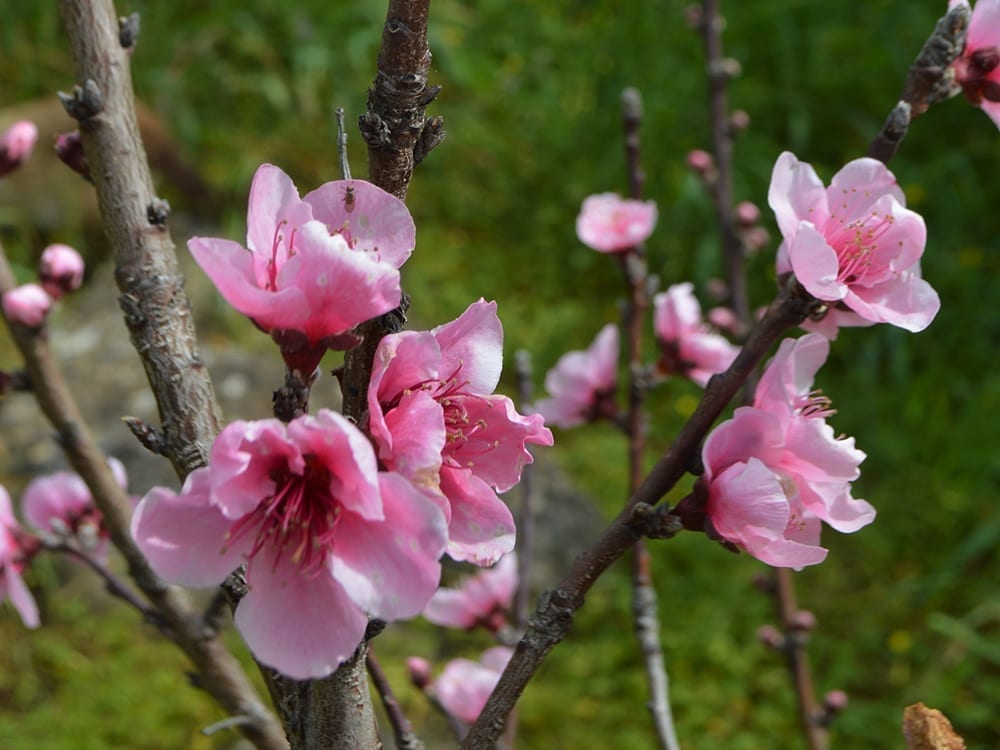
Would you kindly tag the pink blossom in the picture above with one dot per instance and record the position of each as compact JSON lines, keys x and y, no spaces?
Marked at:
{"x":611,"y":224}
{"x":464,"y":686}
{"x":317,"y":266}
{"x":689,"y":348}
{"x":483,"y":599}
{"x":27,"y":305}
{"x":582,"y":384}
{"x":60,"y":270}
{"x":15,"y":548}
{"x":977,"y":71}
{"x":61,"y":504}
{"x":853,"y":245}
{"x":16,"y":144}
{"x":328,"y":539}
{"x":775,"y":470}
{"x":435,"y":419}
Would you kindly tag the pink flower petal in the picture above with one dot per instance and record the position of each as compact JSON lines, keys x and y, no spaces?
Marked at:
{"x":796,"y":194}
{"x":184,"y":536}
{"x":391,"y":569}
{"x":481,"y":527}
{"x":303,"y":627}
{"x":815,"y":264}
{"x":472,"y":345}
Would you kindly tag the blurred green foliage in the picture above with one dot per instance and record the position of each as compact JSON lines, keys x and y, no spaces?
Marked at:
{"x":909,"y":608}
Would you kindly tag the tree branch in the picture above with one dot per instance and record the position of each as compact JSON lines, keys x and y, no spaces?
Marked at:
{"x":554,"y":615}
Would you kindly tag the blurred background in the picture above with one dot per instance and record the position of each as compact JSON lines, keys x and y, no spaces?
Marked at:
{"x":908,"y":608}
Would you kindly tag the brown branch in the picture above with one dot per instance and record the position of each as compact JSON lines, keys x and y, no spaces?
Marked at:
{"x":554,"y":615}
{"x":218,"y":672}
{"x":645,"y":616}
{"x":929,"y":80}
{"x":394,"y":127}
{"x":156,"y":308}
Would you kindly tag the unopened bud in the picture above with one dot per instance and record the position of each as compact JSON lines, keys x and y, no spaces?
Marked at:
{"x":16,"y":144}
{"x":60,"y":270}
{"x":694,"y":16}
{"x":770,"y":636}
{"x":727,"y":67}
{"x":739,"y":121}
{"x":835,"y":701}
{"x":724,"y":319}
{"x":804,"y":621}
{"x":755,"y":238}
{"x":747,"y":213}
{"x":27,"y":305}
{"x":420,"y":671}
{"x":69,"y":149}
{"x":700,"y":161}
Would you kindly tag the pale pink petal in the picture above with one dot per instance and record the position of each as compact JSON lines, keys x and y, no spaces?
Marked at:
{"x":20,"y":596}
{"x":391,"y":569}
{"x":481,"y":527}
{"x":465,"y":686}
{"x":791,"y":373}
{"x":815,"y":264}
{"x":496,"y":452}
{"x":472,"y":346}
{"x":230,"y":267}
{"x":676,"y":312}
{"x":707,"y":354}
{"x":414,"y":437}
{"x":796,"y":194}
{"x":27,"y":305}
{"x":302,"y":626}
{"x":747,"y":494}
{"x":274,"y":207}
{"x":906,"y":301}
{"x":378,"y":221}
{"x":783,"y":552}
{"x":56,"y":496}
{"x":751,"y":432}
{"x":858,"y":187}
{"x":184,"y":536}
{"x":476,"y":597}
{"x":243,"y":458}
{"x":403,"y":361}
{"x":984,"y":26}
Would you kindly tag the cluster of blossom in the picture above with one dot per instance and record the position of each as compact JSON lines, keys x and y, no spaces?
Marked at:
{"x":334,"y":523}
{"x":774,"y":471}
{"x":483,"y":600}
{"x":60,"y":510}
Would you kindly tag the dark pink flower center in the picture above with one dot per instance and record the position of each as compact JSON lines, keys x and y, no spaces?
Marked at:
{"x":857,"y":243}
{"x":299,"y":520}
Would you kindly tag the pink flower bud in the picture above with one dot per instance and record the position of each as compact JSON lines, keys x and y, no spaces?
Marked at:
{"x":16,"y":144}
{"x":419,"y":671}
{"x":61,"y":270}
{"x":27,"y":305}
{"x":739,"y":120}
{"x":770,"y":636}
{"x":747,"y":213}
{"x":69,"y":149}
{"x":755,"y":238}
{"x":835,"y":701}
{"x":700,"y":161}
{"x":804,"y":620}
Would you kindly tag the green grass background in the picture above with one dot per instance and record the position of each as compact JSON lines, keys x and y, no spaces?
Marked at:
{"x":908,"y":608}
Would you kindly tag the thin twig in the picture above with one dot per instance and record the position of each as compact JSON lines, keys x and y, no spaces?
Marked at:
{"x":406,"y":738}
{"x":345,"y":164}
{"x":817,"y":736}
{"x":645,"y":616}
{"x":115,"y":586}
{"x":554,"y":614}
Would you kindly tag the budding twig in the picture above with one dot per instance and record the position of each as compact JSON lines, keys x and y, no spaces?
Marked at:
{"x":645,"y":618}
{"x":406,"y":738}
